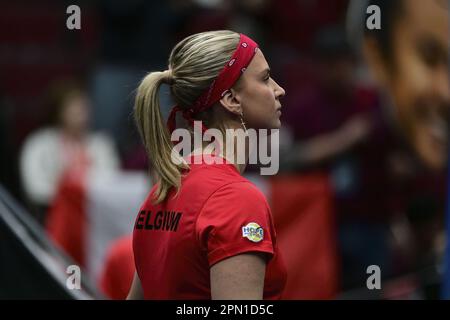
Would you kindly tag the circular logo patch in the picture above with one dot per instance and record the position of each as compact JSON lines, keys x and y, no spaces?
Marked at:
{"x":253,"y":232}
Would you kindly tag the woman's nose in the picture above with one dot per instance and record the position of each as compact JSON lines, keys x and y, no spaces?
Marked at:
{"x":279,"y":91}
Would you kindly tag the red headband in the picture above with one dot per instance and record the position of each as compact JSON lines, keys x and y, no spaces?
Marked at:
{"x":227,"y":77}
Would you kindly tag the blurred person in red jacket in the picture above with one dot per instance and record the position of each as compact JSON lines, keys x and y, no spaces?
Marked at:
{"x":118,"y":272}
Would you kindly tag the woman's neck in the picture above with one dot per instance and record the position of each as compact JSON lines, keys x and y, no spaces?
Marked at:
{"x":208,"y":151}
{"x":229,"y":149}
{"x":73,"y":135}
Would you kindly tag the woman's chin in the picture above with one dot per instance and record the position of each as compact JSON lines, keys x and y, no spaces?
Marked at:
{"x":277,"y":124}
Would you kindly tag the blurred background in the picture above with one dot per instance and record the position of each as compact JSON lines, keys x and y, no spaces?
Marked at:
{"x":356,"y":186}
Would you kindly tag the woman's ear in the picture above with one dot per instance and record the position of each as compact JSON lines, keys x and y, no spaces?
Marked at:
{"x":231,"y":102}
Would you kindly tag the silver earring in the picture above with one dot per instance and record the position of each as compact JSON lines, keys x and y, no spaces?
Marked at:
{"x":242,"y":121}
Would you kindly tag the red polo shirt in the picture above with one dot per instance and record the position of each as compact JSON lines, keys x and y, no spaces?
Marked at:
{"x":217,"y":214}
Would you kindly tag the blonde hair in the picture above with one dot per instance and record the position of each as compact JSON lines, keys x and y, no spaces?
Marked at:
{"x":193,"y":65}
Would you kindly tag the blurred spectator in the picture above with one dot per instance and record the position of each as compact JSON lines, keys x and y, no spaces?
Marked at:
{"x":118,"y":272}
{"x":330,"y":114}
{"x":66,"y":143}
{"x":339,"y":127}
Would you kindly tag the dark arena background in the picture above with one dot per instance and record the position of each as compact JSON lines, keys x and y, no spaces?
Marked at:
{"x":360,"y":198}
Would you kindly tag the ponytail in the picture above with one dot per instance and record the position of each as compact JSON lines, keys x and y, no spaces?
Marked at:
{"x":194,"y":64}
{"x":155,"y":134}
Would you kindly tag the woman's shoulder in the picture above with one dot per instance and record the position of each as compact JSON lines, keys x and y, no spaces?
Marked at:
{"x":243,"y":189}
{"x":44,"y":133}
{"x":99,"y":138}
{"x":42,"y":137}
{"x":221,"y":177}
{"x":214,"y":173}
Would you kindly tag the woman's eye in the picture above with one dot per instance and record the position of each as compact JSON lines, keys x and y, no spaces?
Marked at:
{"x":430,"y":53}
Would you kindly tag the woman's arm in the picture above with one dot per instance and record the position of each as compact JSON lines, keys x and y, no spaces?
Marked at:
{"x":136,"y":292}
{"x":239,"y":277}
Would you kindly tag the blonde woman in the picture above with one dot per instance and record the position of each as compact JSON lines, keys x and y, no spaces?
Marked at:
{"x":206,"y":232}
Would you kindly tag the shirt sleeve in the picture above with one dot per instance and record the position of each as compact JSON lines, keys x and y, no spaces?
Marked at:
{"x":40,"y":168}
{"x":235,"y":219}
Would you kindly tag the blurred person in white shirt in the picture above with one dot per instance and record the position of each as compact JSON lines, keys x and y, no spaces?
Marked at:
{"x":66,"y":144}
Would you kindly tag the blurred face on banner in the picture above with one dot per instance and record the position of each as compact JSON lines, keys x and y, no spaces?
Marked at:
{"x":417,"y":76}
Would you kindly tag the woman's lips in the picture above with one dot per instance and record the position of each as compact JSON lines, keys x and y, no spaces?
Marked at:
{"x":437,"y":127}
